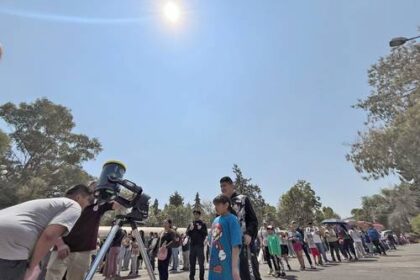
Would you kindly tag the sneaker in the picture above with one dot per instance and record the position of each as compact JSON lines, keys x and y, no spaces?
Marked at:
{"x":283,"y":274}
{"x":270,"y":272}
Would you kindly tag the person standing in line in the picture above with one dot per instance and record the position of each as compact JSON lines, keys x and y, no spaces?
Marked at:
{"x":309,"y":239}
{"x":226,"y":239}
{"x":126,"y":257}
{"x":185,"y":252}
{"x":316,"y":237}
{"x":357,"y":241}
{"x":135,"y":253}
{"x":167,"y":237}
{"x":274,"y":248}
{"x":285,"y":248}
{"x":262,"y":236}
{"x":197,"y":233}
{"x":30,"y":229}
{"x":332,"y":240}
{"x":152,"y":249}
{"x":305,"y":246}
{"x":375,"y":237}
{"x":242,"y":208}
{"x":111,"y":269}
{"x":175,"y":251}
{"x":297,"y":239}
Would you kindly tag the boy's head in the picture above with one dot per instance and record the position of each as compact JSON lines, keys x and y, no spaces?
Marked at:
{"x":222,"y":204}
{"x":270,"y":229}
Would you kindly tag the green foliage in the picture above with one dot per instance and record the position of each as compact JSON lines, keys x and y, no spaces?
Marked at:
{"x":44,"y":156}
{"x":299,"y":204}
{"x":4,"y":145}
{"x":197,"y":202}
{"x":328,"y":213}
{"x":393,"y":207}
{"x":391,"y":143}
{"x":415,"y":224}
{"x":176,"y":200}
{"x":252,"y":191}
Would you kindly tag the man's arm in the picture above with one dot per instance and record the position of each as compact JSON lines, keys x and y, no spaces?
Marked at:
{"x":250,"y":219}
{"x":204,"y":229}
{"x":47,"y":240}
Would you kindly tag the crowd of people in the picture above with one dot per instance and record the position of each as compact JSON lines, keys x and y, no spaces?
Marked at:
{"x":57,"y":238}
{"x":343,"y":242}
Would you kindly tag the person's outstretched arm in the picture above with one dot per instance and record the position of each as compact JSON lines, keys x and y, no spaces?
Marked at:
{"x":45,"y":242}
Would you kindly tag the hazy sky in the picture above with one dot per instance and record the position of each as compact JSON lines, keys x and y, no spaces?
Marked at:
{"x":265,"y":84}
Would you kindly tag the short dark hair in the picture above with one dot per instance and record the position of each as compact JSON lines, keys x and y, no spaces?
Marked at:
{"x":226,"y":179}
{"x":221,"y":199}
{"x":78,"y":189}
{"x":197,"y":211}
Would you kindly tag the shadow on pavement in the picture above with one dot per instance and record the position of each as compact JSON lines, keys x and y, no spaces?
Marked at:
{"x":290,"y":277}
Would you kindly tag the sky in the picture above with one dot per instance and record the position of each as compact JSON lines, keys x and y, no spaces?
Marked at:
{"x":267,"y":85}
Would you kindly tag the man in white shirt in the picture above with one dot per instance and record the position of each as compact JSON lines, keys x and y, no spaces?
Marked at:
{"x":29,"y":230}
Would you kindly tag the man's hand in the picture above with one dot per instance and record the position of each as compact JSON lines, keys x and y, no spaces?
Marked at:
{"x":32,"y":274}
{"x":235,"y":273}
{"x":63,"y":251}
{"x":248,"y":239}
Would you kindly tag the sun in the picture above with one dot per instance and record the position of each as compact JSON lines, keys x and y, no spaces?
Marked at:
{"x":171,"y":12}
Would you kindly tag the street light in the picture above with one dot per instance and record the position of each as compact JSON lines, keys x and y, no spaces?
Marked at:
{"x":399,"y":41}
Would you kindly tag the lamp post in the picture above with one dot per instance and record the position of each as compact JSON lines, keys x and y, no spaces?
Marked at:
{"x":399,"y":41}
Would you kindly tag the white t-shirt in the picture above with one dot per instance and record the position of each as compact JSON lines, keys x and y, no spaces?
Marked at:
{"x":355,"y":235}
{"x":263,"y":234}
{"x":22,"y":224}
{"x":315,"y":236}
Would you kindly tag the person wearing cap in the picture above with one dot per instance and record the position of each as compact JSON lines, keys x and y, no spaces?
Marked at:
{"x":262,"y":236}
{"x":197,"y":233}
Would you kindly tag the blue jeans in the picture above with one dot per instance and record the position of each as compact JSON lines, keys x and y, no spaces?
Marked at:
{"x":175,"y":258}
{"x":321,"y":250}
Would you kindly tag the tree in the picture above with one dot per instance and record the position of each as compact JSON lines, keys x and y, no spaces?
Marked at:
{"x":299,"y":204}
{"x":391,"y":143}
{"x":252,"y":191}
{"x":415,"y":224}
{"x":45,"y":156}
{"x":176,"y":199}
{"x":393,"y":207}
{"x":270,"y":214}
{"x":4,"y":145}
{"x":197,"y":202}
{"x":328,"y":213}
{"x":155,"y":207}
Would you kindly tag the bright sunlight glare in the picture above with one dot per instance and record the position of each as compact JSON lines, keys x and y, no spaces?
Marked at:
{"x":171,"y":11}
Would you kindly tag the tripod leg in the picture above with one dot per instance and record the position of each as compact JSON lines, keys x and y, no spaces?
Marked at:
{"x":100,"y":256}
{"x":143,"y":251}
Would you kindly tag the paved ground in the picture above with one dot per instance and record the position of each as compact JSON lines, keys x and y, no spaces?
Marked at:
{"x":403,"y":264}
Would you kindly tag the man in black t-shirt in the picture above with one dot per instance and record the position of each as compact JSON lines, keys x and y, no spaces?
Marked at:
{"x":72,"y":252}
{"x":197,"y":232}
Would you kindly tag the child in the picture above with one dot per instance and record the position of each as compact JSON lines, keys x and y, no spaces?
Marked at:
{"x":273,"y":243}
{"x":226,"y":239}
{"x":284,"y":239}
{"x":314,"y":249}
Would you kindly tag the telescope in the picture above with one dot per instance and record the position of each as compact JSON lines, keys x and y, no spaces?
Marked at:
{"x":108,"y":189}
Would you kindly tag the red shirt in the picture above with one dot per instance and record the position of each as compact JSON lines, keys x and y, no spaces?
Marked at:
{"x":84,"y":234}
